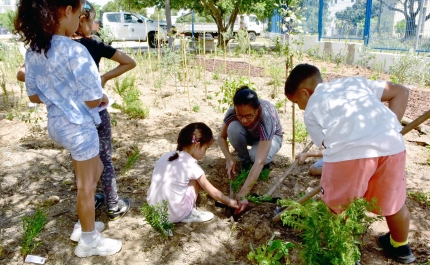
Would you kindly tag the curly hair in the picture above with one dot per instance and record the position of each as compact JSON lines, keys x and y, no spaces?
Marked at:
{"x":37,"y":21}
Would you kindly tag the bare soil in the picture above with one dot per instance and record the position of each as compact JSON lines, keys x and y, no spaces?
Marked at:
{"x":35,"y":172}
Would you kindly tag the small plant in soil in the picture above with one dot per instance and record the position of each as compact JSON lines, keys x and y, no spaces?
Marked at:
{"x":259,"y":199}
{"x":228,"y":90}
{"x":132,"y":106}
{"x":329,"y":238}
{"x":301,"y":132}
{"x":131,"y":160}
{"x":428,"y":153}
{"x":196,"y":108}
{"x":241,"y":178}
{"x":280,"y":103}
{"x":421,"y":197}
{"x":271,"y":253}
{"x":158,"y":217}
{"x":32,"y":226}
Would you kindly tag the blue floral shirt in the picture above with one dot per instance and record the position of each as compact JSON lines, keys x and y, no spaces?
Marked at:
{"x":64,"y":80}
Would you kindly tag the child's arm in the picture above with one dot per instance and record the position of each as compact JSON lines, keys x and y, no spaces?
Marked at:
{"x":223,"y":144}
{"x":302,"y":156}
{"x":126,"y":63}
{"x":21,"y":74}
{"x":215,"y":193}
{"x":397,"y":97}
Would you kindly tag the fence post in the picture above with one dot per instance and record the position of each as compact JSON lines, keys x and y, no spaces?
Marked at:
{"x":320,"y":19}
{"x":421,"y":21}
{"x":192,"y":25}
{"x":367,"y":22}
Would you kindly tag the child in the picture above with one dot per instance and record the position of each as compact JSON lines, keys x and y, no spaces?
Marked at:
{"x":61,"y":74}
{"x":364,"y":154}
{"x":317,"y":167}
{"x":117,"y":208}
{"x":177,"y":177}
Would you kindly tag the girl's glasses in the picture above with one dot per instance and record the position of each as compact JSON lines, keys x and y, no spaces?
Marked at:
{"x":248,"y":116}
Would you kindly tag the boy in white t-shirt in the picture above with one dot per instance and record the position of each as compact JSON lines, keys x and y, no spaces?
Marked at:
{"x":364,"y":154}
{"x":177,"y":177}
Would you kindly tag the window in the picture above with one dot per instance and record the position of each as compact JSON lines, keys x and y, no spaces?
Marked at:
{"x":113,"y":18}
{"x":6,"y":2}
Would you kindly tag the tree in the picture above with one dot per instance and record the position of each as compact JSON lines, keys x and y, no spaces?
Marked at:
{"x":125,"y":5}
{"x":310,"y":12}
{"x":410,"y":10}
{"x":354,"y":16}
{"x":6,"y":20}
{"x":223,"y":12}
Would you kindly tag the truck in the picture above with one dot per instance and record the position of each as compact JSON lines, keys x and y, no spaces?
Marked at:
{"x":126,"y":26}
{"x":248,"y":22}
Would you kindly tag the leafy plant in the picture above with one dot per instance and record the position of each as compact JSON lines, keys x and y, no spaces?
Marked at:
{"x":271,"y":253}
{"x":301,"y":132}
{"x":329,"y":238}
{"x":241,"y":178}
{"x":421,"y":197}
{"x":280,"y":103}
{"x":229,"y":88}
{"x":242,"y":40}
{"x":365,"y":56}
{"x":428,"y":153}
{"x":276,"y":75}
{"x":32,"y":226}
{"x":131,"y":160}
{"x":404,"y":69}
{"x":259,"y":199}
{"x":157,"y":216}
{"x":196,"y":108}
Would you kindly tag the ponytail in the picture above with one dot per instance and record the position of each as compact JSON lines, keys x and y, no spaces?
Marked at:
{"x":196,"y":132}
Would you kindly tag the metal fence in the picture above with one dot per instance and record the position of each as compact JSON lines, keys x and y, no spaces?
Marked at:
{"x":380,"y":24}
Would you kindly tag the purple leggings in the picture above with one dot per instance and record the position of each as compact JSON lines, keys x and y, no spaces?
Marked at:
{"x":108,"y":177}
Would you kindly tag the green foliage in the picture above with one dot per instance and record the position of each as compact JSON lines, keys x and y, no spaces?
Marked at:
{"x":157,"y":216}
{"x":243,"y":175}
{"x":329,"y":238}
{"x":242,"y":42}
{"x":106,"y":35}
{"x":32,"y":226}
{"x":271,"y":253}
{"x":280,"y":103}
{"x":131,"y":105}
{"x":421,"y":197}
{"x":259,"y":199}
{"x":301,"y":132}
{"x":310,"y":25}
{"x":277,"y":75}
{"x":196,"y":108}
{"x":428,"y":153}
{"x":229,"y":88}
{"x":352,"y":16}
{"x":400,"y":26}
{"x":131,"y":160}
{"x":6,"y":20}
{"x":404,"y":69}
{"x":365,"y":56}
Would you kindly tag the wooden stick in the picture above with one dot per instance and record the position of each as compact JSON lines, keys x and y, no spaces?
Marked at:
{"x":291,"y":167}
{"x":425,"y":116}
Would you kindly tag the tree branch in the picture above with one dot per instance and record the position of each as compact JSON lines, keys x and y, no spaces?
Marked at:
{"x":393,"y":8}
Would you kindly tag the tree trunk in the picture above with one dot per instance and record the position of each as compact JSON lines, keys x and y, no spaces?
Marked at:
{"x":411,"y":27}
{"x":169,"y":22}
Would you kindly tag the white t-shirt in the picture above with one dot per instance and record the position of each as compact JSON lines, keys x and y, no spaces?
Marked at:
{"x":170,"y":181}
{"x":348,"y":116}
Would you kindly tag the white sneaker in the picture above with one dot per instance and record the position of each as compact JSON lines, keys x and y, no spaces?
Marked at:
{"x":77,"y":230}
{"x":99,"y":247}
{"x":198,"y":216}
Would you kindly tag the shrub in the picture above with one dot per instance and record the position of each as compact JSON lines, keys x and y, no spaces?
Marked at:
{"x":271,"y":253}
{"x":229,"y":88}
{"x":32,"y":226}
{"x":158,"y":217}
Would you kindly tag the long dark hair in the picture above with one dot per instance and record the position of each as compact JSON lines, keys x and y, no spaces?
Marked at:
{"x":37,"y":21}
{"x":246,"y":96}
{"x":196,"y":132}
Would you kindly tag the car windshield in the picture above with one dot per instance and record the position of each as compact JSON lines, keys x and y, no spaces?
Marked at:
{"x":142,"y":17}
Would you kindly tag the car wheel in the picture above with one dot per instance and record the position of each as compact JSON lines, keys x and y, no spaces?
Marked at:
{"x":252,"y":36}
{"x":152,"y":41}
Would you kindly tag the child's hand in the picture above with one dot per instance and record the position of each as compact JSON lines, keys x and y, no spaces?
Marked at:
{"x":234,"y":204}
{"x":301,"y":157}
{"x":242,"y":206}
{"x":230,"y":166}
{"x":103,"y":80}
{"x":105,"y":100}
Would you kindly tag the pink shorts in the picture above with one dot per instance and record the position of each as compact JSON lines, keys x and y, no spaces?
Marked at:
{"x":382,"y":178}
{"x":188,"y":202}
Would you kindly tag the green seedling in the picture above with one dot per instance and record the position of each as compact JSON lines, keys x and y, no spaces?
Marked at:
{"x":271,"y":253}
{"x":329,"y":238}
{"x":196,"y":108}
{"x":131,"y":160}
{"x":259,"y":199}
{"x":228,"y":90}
{"x":158,"y":217}
{"x":241,"y":178}
{"x":32,"y":226}
{"x":421,"y":197}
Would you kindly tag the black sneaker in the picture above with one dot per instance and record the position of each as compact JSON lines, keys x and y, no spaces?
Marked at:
{"x":119,"y":211}
{"x":400,"y":254}
{"x":99,"y":199}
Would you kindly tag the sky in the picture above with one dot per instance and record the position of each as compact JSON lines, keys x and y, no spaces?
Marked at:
{"x":100,"y":2}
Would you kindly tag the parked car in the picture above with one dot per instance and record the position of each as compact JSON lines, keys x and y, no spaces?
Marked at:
{"x":133,"y":27}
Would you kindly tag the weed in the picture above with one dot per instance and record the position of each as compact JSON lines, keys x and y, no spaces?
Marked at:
{"x":301,"y":132}
{"x":209,"y":96}
{"x":242,"y":40}
{"x":421,"y":197}
{"x":404,"y":69}
{"x":365,"y":56}
{"x":157,"y":216}
{"x":323,"y":72}
{"x":241,"y":178}
{"x":131,"y":160}
{"x":259,"y":199}
{"x":375,"y":76}
{"x":276,"y":73}
{"x":229,"y":88}
{"x":428,"y":153}
{"x":314,"y":51}
{"x":196,"y":108}
{"x":32,"y":226}
{"x":32,"y":117}
{"x":132,"y":106}
{"x":280,"y":103}
{"x":329,"y":238}
{"x":271,"y":253}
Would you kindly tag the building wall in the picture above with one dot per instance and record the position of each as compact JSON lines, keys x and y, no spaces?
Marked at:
{"x":6,"y":5}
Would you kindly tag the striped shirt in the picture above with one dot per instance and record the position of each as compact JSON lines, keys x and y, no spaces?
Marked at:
{"x":268,"y":125}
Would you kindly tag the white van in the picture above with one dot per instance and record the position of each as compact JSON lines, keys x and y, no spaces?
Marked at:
{"x":129,"y":26}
